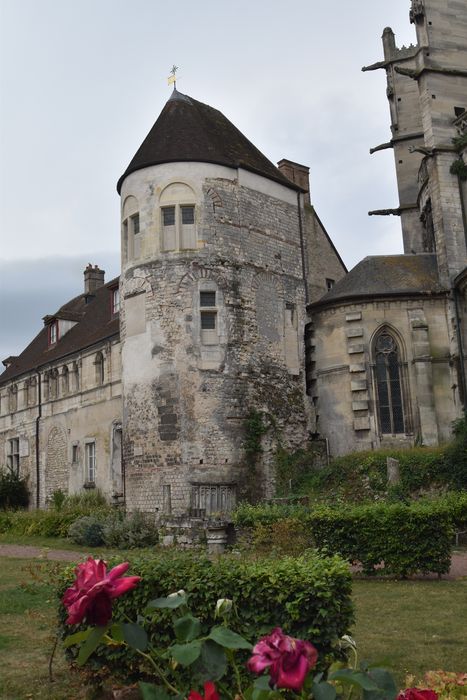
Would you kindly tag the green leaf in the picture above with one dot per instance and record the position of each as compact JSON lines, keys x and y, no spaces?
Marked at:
{"x":348,"y":675}
{"x":187,"y":628}
{"x":149,"y":691}
{"x":323,"y":691}
{"x":228,"y":639}
{"x":135,"y":636}
{"x":185,"y":654}
{"x":212,"y":663}
{"x":170,"y":603}
{"x":92,"y":642}
{"x":77,"y":637}
{"x":262,"y":683}
{"x":117,"y":632}
{"x":386,"y":686}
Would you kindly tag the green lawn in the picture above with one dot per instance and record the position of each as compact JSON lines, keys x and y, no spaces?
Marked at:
{"x":415,"y":626}
{"x":412,"y":625}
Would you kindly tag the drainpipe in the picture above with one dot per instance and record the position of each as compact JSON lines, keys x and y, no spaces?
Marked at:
{"x":302,"y":246}
{"x":38,"y":418}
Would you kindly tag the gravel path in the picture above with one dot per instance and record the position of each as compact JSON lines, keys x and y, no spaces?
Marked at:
{"x":27,"y":552}
{"x":458,"y":568}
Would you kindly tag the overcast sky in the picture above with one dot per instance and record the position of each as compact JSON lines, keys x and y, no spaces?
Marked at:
{"x":82,"y":82}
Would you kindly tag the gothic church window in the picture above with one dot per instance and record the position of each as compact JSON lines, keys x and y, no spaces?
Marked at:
{"x":389,"y":385}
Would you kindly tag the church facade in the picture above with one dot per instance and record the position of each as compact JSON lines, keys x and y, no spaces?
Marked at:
{"x":233,"y":302}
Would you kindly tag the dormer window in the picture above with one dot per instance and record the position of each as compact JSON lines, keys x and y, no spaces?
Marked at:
{"x":115,"y":300}
{"x":53,"y":333}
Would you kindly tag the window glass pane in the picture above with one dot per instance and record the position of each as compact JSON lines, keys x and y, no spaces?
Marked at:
{"x":188,"y":215}
{"x":207,"y":298}
{"x":135,"y":223}
{"x":208,"y":320}
{"x":168,"y":215}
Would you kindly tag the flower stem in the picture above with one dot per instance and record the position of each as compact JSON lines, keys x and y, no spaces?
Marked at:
{"x":231,"y":655}
{"x":159,"y":672}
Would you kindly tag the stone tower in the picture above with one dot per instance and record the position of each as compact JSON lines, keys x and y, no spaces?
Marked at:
{"x":427,"y":93}
{"x":390,"y":339}
{"x":212,"y":312}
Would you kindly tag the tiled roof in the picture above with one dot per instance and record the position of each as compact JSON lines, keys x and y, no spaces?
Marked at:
{"x":95,"y":323}
{"x":386,"y":275}
{"x":188,"y":130}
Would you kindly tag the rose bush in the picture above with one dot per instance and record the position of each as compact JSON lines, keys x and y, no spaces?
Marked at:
{"x":193,"y":660}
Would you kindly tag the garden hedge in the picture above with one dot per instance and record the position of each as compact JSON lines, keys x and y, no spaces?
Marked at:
{"x":309,"y":597}
{"x":405,"y":538}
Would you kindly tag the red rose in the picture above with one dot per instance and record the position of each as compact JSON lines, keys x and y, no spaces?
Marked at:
{"x":417,"y":694}
{"x":288,"y":659}
{"x":210,"y":693}
{"x":91,"y":594}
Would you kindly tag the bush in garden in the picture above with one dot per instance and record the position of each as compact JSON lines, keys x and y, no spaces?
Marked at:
{"x":362,"y":476}
{"x":455,"y":462}
{"x":130,"y":531}
{"x":13,"y":490}
{"x":87,"y":531}
{"x":407,"y":538}
{"x":53,"y":523}
{"x":309,"y":597}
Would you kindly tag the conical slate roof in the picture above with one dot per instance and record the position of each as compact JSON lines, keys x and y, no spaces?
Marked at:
{"x":188,"y":130}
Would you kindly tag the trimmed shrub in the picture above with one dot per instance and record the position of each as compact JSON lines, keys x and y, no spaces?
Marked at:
{"x":128,"y":532}
{"x":13,"y":491}
{"x":309,"y":597}
{"x":405,"y":538}
{"x":455,"y":462}
{"x":88,"y":531}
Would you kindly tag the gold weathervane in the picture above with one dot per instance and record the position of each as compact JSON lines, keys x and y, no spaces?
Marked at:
{"x":172,"y":79}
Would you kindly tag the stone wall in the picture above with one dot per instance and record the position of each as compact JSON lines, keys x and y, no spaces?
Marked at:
{"x":343,"y":386}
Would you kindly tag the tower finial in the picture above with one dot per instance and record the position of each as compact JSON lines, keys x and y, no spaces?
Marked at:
{"x":172,"y":78}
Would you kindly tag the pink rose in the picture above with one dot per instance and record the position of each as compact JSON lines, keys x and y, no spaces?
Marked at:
{"x":91,"y":594}
{"x":288,"y":659}
{"x":417,"y":694}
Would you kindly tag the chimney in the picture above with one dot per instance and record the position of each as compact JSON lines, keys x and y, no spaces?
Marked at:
{"x":298,"y":174}
{"x":93,"y":279}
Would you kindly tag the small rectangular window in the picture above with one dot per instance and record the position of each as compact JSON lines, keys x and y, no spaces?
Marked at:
{"x":135,"y":224}
{"x":90,"y":462}
{"x":168,"y":216}
{"x":74,"y":454}
{"x":207,"y":298}
{"x":13,"y":456}
{"x":329,"y":283}
{"x":188,"y":215}
{"x":208,"y":320}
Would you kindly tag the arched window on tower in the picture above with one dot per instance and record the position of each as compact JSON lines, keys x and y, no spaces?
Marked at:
{"x":389,"y":384}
